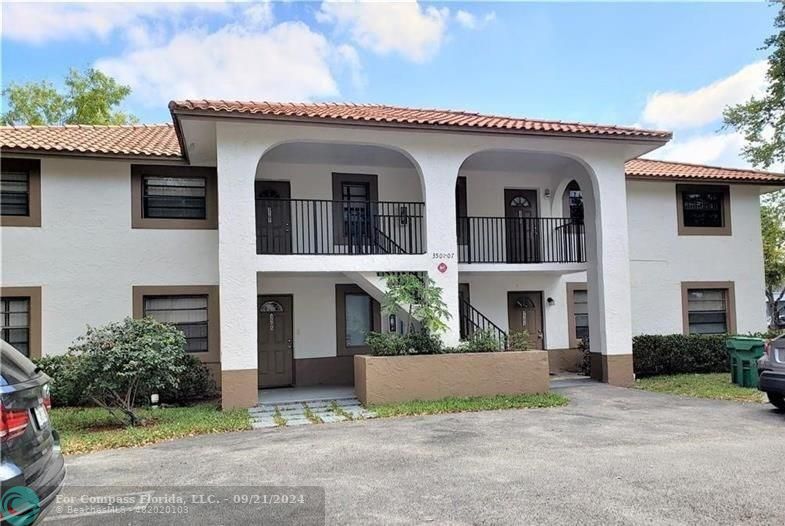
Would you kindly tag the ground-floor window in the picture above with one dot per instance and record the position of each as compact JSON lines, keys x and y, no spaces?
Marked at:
{"x":187,"y":313}
{"x":578,"y":313}
{"x":708,"y":308}
{"x":191,"y":308}
{"x":357,"y":315}
{"x":15,"y":322}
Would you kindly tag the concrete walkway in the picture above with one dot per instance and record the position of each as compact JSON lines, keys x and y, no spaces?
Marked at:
{"x":613,"y":456}
{"x":297,"y":406}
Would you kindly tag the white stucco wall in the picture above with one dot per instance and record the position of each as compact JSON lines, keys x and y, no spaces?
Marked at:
{"x":86,"y":257}
{"x":314,"y":180}
{"x":488,"y":294}
{"x":314,"y":309}
{"x":660,"y":259}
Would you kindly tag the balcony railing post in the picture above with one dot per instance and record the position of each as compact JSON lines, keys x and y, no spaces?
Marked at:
{"x":327,"y":227}
{"x":522,"y":240}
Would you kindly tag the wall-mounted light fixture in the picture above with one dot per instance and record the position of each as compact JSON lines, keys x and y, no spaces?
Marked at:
{"x":547,"y":193}
{"x":551,"y":302}
{"x":393,"y":323}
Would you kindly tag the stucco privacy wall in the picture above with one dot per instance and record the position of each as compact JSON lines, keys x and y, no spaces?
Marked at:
{"x":86,"y":257}
{"x":313,"y":309}
{"x":660,"y":259}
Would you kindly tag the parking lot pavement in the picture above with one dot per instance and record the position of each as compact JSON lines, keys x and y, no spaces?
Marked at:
{"x":613,"y":456}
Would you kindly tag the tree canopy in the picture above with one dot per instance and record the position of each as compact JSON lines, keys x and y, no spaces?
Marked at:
{"x":761,"y":120}
{"x":91,"y":97}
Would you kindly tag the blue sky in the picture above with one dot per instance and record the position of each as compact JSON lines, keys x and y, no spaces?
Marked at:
{"x":664,"y":65}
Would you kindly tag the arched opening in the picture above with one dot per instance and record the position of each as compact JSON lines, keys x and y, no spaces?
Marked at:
{"x":323,"y":198}
{"x":572,"y":202}
{"x":520,"y":207}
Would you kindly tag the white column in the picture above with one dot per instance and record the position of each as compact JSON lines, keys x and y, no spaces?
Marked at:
{"x":236,"y":268}
{"x":440,"y":174}
{"x":609,"y":275}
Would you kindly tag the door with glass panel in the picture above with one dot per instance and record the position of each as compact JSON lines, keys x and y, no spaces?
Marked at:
{"x":275,"y":334}
{"x":521,"y":226}
{"x":273,"y":217}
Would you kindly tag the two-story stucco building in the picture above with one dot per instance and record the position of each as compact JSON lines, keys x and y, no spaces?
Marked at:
{"x":264,"y":231}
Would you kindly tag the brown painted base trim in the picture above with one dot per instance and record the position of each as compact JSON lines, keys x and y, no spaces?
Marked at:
{"x":239,"y":388}
{"x":595,"y":364}
{"x":331,"y":370}
{"x":617,"y":370}
{"x":560,"y":360}
{"x":613,"y":369}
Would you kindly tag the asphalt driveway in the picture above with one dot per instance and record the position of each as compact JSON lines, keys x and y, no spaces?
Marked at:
{"x":613,"y":456}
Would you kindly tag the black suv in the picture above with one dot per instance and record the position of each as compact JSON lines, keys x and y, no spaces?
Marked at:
{"x":31,"y":465}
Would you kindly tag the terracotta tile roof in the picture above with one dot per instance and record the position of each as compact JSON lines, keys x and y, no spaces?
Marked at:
{"x":145,"y":140}
{"x":382,"y":115}
{"x":651,"y":169}
{"x":160,"y":141}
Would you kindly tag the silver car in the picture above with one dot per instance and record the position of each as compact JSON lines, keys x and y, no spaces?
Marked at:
{"x":771,"y":367}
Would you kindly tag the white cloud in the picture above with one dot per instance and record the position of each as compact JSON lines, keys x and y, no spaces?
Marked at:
{"x":692,"y":109}
{"x":471,"y":21}
{"x":406,"y":28}
{"x":286,"y":62}
{"x":720,"y":149}
{"x":37,"y":23}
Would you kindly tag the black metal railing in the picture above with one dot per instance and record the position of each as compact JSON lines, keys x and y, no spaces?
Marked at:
{"x":325,"y":227}
{"x":473,"y":321}
{"x":521,"y":240}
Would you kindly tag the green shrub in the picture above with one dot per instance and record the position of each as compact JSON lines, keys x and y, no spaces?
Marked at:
{"x":386,"y":344}
{"x":679,"y":353}
{"x":119,"y":361}
{"x":195,"y":384}
{"x":393,"y":344}
{"x":480,"y":341}
{"x":519,"y":341}
{"x":64,"y":387}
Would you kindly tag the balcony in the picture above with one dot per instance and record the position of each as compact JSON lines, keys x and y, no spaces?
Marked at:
{"x":521,"y":240}
{"x":328,"y":227}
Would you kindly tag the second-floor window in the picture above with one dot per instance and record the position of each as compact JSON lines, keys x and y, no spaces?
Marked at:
{"x":175,"y":197}
{"x":20,"y":192}
{"x":703,"y":209}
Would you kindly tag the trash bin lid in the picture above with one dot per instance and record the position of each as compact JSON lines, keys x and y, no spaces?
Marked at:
{"x":743,"y":343}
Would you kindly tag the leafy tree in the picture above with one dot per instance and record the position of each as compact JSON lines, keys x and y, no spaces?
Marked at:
{"x":762,"y":120}
{"x":118,"y":361}
{"x":772,"y":218}
{"x":91,"y":97}
{"x":421,"y":297}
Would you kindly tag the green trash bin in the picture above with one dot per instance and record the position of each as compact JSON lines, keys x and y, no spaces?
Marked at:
{"x":744,"y":353}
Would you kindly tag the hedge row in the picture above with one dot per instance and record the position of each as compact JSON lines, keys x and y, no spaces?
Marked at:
{"x":678,"y":353}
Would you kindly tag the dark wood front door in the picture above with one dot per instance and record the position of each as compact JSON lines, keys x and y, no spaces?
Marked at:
{"x":276,"y":354}
{"x":521,"y":226}
{"x":524,"y":311}
{"x":273,"y":217}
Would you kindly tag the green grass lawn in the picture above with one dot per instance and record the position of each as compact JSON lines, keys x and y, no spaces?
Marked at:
{"x":86,"y":429}
{"x":714,"y":386}
{"x":476,"y":403}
